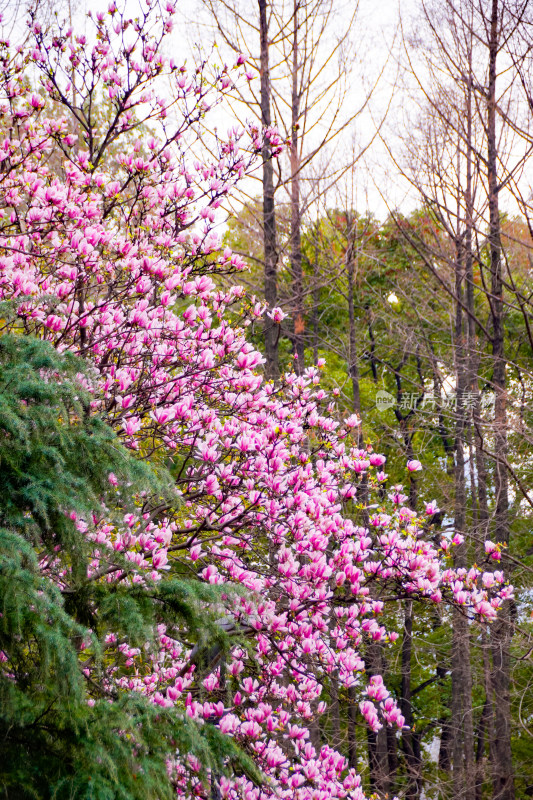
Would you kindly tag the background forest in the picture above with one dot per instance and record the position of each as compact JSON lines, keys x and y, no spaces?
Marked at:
{"x":424,"y":319}
{"x":388,"y":226}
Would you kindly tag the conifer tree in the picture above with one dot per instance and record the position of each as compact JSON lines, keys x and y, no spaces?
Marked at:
{"x":60,"y":736}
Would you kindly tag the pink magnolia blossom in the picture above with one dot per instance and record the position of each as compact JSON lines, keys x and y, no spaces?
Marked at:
{"x":260,"y":468}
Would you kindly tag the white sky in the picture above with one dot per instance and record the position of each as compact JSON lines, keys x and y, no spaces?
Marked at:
{"x":376,"y":183}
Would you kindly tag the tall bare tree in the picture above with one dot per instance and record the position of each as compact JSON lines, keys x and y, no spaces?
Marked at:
{"x":269,"y":211}
{"x":459,"y":59}
{"x":303,"y":51}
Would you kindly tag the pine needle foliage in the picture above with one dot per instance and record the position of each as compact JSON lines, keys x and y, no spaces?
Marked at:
{"x":62,"y":736}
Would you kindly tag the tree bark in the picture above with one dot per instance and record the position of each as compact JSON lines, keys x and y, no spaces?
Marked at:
{"x":352,"y":717}
{"x":409,"y":743}
{"x":335,"y":712}
{"x":463,"y":774}
{"x":295,"y":234}
{"x":502,"y":770}
{"x":316,"y":295}
{"x":271,"y":329}
{"x":380,"y":760}
{"x":353,"y":367}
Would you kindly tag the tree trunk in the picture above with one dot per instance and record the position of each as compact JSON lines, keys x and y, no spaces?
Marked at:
{"x":480,"y":748}
{"x":379,"y":758}
{"x":502,"y":771}
{"x":414,"y":782}
{"x":316,"y":296}
{"x":352,"y":717}
{"x":335,"y":712}
{"x":296,"y":244}
{"x":353,"y":367}
{"x":271,"y":329}
{"x":463,"y":773}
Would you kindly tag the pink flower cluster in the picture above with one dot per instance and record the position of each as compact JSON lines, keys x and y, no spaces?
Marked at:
{"x":107,"y":246}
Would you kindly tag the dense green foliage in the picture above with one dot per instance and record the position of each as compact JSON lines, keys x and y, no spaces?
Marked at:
{"x":60,"y":736}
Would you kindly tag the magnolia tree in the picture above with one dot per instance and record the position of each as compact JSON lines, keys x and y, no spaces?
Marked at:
{"x":108,"y":250}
